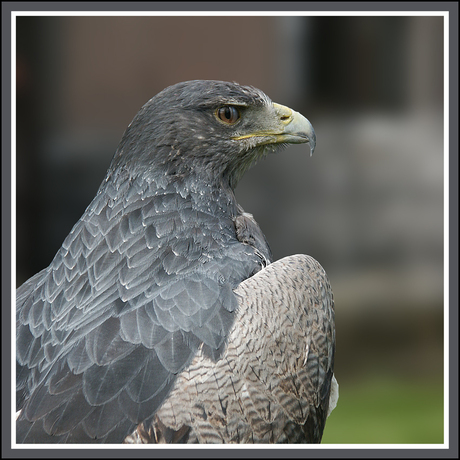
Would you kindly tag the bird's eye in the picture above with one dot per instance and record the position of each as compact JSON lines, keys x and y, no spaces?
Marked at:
{"x":228,"y":114}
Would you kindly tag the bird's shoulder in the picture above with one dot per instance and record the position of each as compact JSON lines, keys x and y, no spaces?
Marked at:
{"x":249,"y":232}
{"x":275,"y":376}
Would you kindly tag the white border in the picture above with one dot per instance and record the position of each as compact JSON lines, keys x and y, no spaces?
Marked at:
{"x":229,"y":13}
{"x":445,"y":14}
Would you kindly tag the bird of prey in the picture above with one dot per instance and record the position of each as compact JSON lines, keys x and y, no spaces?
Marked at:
{"x":163,"y":318}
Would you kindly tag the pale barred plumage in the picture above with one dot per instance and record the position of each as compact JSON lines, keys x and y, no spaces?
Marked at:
{"x":273,"y":383}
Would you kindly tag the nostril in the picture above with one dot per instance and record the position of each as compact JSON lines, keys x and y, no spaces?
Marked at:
{"x":284,"y":118}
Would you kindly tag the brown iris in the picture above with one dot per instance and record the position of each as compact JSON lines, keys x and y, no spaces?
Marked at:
{"x":228,"y":114}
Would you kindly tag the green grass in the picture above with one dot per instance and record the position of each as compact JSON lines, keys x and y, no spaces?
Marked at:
{"x":387,"y":411}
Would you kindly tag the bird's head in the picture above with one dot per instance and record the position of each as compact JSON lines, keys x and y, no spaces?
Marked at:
{"x":209,"y":128}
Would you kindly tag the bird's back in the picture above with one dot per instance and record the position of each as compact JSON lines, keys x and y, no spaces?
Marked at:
{"x":273,"y":382}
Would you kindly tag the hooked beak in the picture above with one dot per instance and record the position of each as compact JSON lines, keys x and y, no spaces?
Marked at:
{"x":286,"y":127}
{"x":297,"y":129}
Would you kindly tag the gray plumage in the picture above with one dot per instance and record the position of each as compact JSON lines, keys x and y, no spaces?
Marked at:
{"x":159,"y":319}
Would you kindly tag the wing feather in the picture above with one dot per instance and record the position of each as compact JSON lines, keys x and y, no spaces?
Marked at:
{"x":140,"y":282}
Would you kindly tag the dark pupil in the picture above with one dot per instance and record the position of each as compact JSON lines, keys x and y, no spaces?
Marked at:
{"x":228,"y":114}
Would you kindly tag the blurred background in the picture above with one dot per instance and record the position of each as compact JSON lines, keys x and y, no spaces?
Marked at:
{"x":368,"y":205}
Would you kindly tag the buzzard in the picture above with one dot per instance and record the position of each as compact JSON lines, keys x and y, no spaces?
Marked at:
{"x":163,"y":318}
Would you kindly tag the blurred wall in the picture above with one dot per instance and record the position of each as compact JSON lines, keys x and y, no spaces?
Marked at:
{"x":369,"y":203}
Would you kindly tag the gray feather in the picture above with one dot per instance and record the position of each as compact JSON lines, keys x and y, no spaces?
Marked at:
{"x":154,"y":290}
